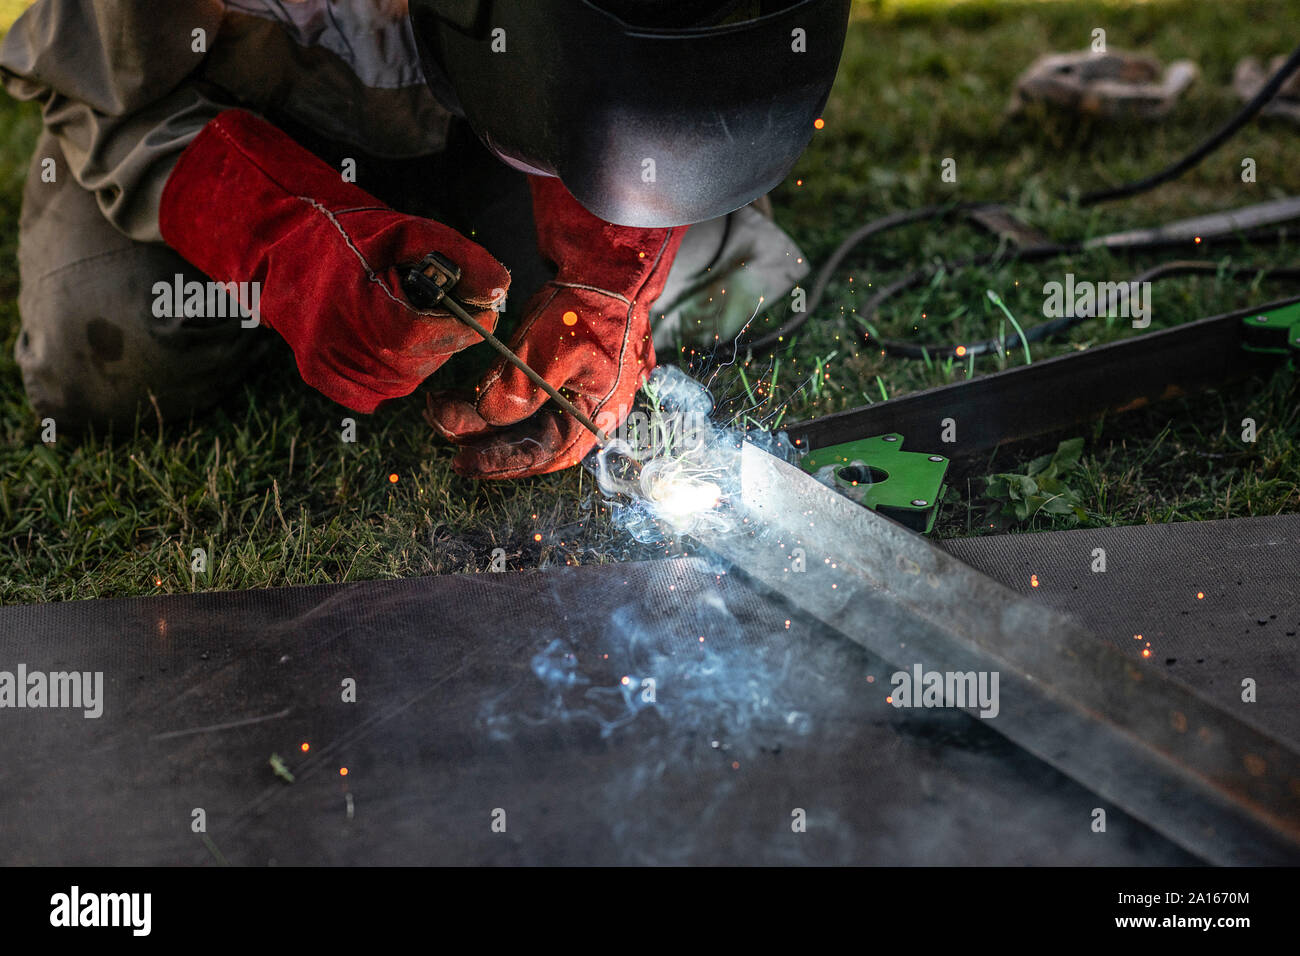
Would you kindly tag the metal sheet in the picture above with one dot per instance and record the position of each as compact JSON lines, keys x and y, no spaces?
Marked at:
{"x":1245,"y":624}
{"x":467,"y":702}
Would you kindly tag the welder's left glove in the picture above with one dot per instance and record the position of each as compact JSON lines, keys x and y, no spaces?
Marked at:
{"x":587,"y":333}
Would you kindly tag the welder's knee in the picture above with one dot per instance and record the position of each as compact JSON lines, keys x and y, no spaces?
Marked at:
{"x":91,"y":348}
{"x":726,"y":269}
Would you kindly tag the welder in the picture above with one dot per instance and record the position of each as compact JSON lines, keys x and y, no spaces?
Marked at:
{"x":318,"y":150}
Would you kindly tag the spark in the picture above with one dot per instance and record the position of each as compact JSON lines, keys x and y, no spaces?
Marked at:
{"x":735,"y":347}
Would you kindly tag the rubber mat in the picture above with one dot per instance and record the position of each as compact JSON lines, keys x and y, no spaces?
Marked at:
{"x":1216,"y":603}
{"x":641,"y":713}
{"x":499,"y":699}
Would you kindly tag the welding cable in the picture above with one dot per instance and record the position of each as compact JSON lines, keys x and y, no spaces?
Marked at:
{"x":827,"y":271}
{"x":1229,"y":129}
{"x":911,"y":350}
{"x":1028,"y":254}
{"x":1036,"y":253}
{"x":1045,"y":330}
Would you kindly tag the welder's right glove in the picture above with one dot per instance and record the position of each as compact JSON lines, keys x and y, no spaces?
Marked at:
{"x":246,"y":203}
{"x":586,"y":332}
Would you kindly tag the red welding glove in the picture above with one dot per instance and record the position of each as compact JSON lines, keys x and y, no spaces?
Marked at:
{"x":246,"y":203}
{"x":587,"y":333}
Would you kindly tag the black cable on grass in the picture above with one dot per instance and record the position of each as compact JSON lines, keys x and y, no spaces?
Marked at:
{"x":1028,"y":254}
{"x":1046,"y":330}
{"x":1229,"y":129}
{"x":827,"y":271}
{"x":911,"y":350}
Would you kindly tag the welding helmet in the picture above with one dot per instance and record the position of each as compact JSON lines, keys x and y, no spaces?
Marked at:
{"x":652,"y":113}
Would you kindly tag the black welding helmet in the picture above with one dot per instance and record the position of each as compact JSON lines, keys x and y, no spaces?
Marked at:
{"x":651,"y":112}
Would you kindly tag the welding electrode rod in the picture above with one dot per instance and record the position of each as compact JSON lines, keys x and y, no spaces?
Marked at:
{"x":459,"y":312}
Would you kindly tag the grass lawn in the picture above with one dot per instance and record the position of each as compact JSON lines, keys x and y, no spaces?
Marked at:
{"x":267,"y":487}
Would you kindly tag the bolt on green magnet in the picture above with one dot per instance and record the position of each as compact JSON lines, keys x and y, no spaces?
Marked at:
{"x":875,"y":472}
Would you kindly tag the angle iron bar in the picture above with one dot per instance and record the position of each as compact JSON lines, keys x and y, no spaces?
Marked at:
{"x":1199,"y":775}
{"x":1054,"y":393}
